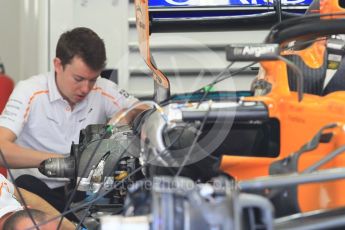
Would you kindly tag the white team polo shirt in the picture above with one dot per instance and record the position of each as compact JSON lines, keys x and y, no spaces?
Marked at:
{"x":8,"y":203}
{"x":43,"y":120}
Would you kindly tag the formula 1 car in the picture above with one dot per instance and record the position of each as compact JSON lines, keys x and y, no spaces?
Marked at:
{"x":269,"y":140}
{"x":288,"y":103}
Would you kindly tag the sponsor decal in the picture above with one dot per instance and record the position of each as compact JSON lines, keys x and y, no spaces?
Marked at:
{"x":257,"y":51}
{"x":124,"y":93}
{"x":162,"y":3}
{"x":252,"y":52}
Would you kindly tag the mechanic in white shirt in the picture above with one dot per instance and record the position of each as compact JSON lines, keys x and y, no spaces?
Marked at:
{"x":45,"y":113}
{"x":9,"y":204}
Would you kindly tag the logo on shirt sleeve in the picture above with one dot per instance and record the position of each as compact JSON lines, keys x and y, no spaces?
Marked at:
{"x":124,"y":93}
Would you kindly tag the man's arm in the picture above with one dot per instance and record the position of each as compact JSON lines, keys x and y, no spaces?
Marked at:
{"x":118,"y":118}
{"x":36,"y":202}
{"x":17,"y":156}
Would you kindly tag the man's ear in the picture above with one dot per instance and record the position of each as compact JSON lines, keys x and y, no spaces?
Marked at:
{"x":58,"y":65}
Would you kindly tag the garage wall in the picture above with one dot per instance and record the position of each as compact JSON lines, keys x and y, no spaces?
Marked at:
{"x":108,"y":18}
{"x":10,"y":36}
{"x":191,"y":60}
{"x":23,"y":43}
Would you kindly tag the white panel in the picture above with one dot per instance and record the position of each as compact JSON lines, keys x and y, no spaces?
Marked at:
{"x":10,"y":34}
{"x":61,"y":19}
{"x":221,"y":37}
{"x":108,"y":18}
{"x":33,"y":33}
{"x":143,"y":86}
{"x":183,"y":53}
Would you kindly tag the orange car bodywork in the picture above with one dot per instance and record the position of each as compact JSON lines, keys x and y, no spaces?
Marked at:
{"x":331,"y":6}
{"x":299,"y":120}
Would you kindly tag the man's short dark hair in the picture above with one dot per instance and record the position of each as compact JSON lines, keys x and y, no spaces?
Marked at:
{"x":84,"y":43}
{"x":11,"y":222}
